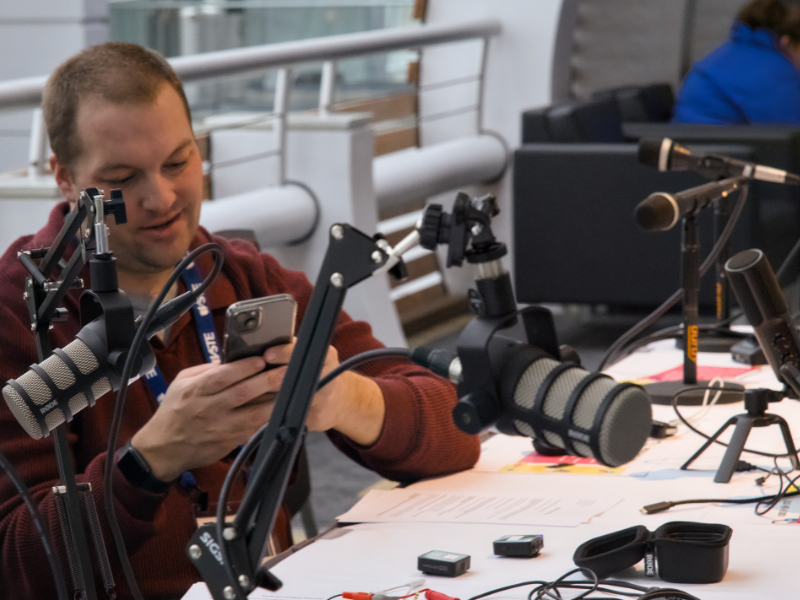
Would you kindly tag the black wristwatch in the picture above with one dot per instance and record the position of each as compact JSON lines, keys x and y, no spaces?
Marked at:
{"x":138,"y":472}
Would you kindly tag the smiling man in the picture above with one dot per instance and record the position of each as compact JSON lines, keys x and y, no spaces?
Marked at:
{"x":117,"y":118}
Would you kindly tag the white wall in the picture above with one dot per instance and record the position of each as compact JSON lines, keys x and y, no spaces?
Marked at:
{"x":35,"y":37}
{"x":518,"y":77}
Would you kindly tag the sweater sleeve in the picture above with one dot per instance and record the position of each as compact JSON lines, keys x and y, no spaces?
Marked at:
{"x":418,"y":438}
{"x":24,"y":565}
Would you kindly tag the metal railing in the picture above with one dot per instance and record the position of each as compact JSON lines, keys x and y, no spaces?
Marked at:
{"x":23,"y":93}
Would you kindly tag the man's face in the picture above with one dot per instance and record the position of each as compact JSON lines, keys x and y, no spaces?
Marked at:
{"x":148,"y":151}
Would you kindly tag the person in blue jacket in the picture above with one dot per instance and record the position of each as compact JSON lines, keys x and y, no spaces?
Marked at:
{"x":754,"y":77}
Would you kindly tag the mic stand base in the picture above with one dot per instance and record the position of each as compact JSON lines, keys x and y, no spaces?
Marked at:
{"x":756,"y":416}
{"x":663,"y":392}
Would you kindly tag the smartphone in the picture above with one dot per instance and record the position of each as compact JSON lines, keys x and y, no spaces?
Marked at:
{"x":252,"y":326}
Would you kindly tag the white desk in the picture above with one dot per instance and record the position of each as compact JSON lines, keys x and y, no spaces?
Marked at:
{"x":373,"y":556}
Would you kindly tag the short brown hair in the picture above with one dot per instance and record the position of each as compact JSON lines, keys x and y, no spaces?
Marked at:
{"x":783,"y":18}
{"x":115,"y":72}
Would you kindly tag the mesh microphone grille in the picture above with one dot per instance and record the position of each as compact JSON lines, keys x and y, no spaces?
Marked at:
{"x":527,"y":387}
{"x":21,"y":411}
{"x":76,"y":403}
{"x":100,"y":387}
{"x":625,"y":425}
{"x":59,"y":372}
{"x":63,"y":378}
{"x":83,"y":358}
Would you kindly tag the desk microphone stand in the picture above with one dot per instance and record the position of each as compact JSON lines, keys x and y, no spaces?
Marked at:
{"x":663,"y":392}
{"x":756,"y":402}
{"x":43,"y":297}
{"x":721,"y":338}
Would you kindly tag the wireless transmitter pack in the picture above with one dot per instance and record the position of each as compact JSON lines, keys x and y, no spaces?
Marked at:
{"x":522,"y":546}
{"x":448,"y":564}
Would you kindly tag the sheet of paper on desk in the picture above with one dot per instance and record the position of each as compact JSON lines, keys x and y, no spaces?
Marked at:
{"x":440,"y":506}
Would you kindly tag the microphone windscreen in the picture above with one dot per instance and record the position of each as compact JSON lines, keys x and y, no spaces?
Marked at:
{"x":657,"y":212}
{"x":36,"y":393}
{"x":650,"y":153}
{"x":607,"y":421}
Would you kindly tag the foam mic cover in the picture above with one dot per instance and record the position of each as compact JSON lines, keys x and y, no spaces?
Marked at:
{"x":655,"y":153}
{"x":68,"y":381}
{"x":568,"y":408}
{"x":658,"y":212}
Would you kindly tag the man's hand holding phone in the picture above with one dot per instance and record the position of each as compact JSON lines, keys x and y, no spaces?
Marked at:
{"x":351,"y":404}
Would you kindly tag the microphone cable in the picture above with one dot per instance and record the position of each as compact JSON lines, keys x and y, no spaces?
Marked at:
{"x":686,"y":422}
{"x":552,"y":589}
{"x":771,"y":500}
{"x":44,"y":534}
{"x":610,"y":356}
{"x":119,"y":406}
{"x":249,"y":448}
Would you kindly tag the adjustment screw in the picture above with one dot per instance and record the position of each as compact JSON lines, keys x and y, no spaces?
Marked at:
{"x":25,"y":296}
{"x":229,"y":593}
{"x":476,"y":229}
{"x":88,"y":232}
{"x":337,"y":231}
{"x":377,"y":256}
{"x":244,"y":581}
{"x":337,"y":280}
{"x":229,"y":533}
{"x":195,"y":552}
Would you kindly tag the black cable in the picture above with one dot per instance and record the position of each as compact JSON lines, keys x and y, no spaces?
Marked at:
{"x":701,"y":388}
{"x":359,"y":359}
{"x":659,"y":312}
{"x":116,"y":420}
{"x":787,"y":262}
{"x":251,"y":445}
{"x":44,"y":535}
{"x":783,"y":493}
{"x":507,"y":587}
{"x":222,"y":504}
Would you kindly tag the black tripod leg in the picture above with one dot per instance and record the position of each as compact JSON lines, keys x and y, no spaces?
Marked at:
{"x":709,"y":441}
{"x":787,"y":438}
{"x":744,"y":423}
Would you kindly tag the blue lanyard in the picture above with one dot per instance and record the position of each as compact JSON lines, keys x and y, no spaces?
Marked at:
{"x":208,"y":340}
{"x":205,"y":330}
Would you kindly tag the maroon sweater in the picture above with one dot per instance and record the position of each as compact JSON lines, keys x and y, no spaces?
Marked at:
{"x":418,"y":437}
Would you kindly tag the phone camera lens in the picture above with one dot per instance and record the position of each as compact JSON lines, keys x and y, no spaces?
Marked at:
{"x":251,"y":324}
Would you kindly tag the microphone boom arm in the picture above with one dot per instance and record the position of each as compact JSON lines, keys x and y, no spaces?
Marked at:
{"x":43,"y":298}
{"x":229,"y":555}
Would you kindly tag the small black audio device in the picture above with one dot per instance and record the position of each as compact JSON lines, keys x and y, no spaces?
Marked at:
{"x":521,"y":546}
{"x":448,"y":564}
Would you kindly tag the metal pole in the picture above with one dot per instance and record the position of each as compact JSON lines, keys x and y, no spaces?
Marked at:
{"x":326,"y":86}
{"x":37,"y":149}
{"x":279,"y":110}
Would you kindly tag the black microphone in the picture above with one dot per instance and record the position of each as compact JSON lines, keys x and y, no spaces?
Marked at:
{"x":759,"y":294}
{"x":661,"y":211}
{"x":666,"y":155}
{"x":558,"y":404}
{"x":69,"y":380}
{"x":74,"y":377}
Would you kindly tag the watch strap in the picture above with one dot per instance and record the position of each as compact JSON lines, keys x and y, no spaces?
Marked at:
{"x":137,"y":471}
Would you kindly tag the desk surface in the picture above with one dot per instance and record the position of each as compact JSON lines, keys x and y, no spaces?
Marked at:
{"x":373,"y":556}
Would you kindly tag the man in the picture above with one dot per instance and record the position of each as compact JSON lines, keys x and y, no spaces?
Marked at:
{"x":117,"y":118}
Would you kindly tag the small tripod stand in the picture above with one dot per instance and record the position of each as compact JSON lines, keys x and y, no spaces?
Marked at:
{"x":755,"y":401}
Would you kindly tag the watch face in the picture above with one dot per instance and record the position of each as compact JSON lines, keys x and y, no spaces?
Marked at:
{"x":137,"y":471}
